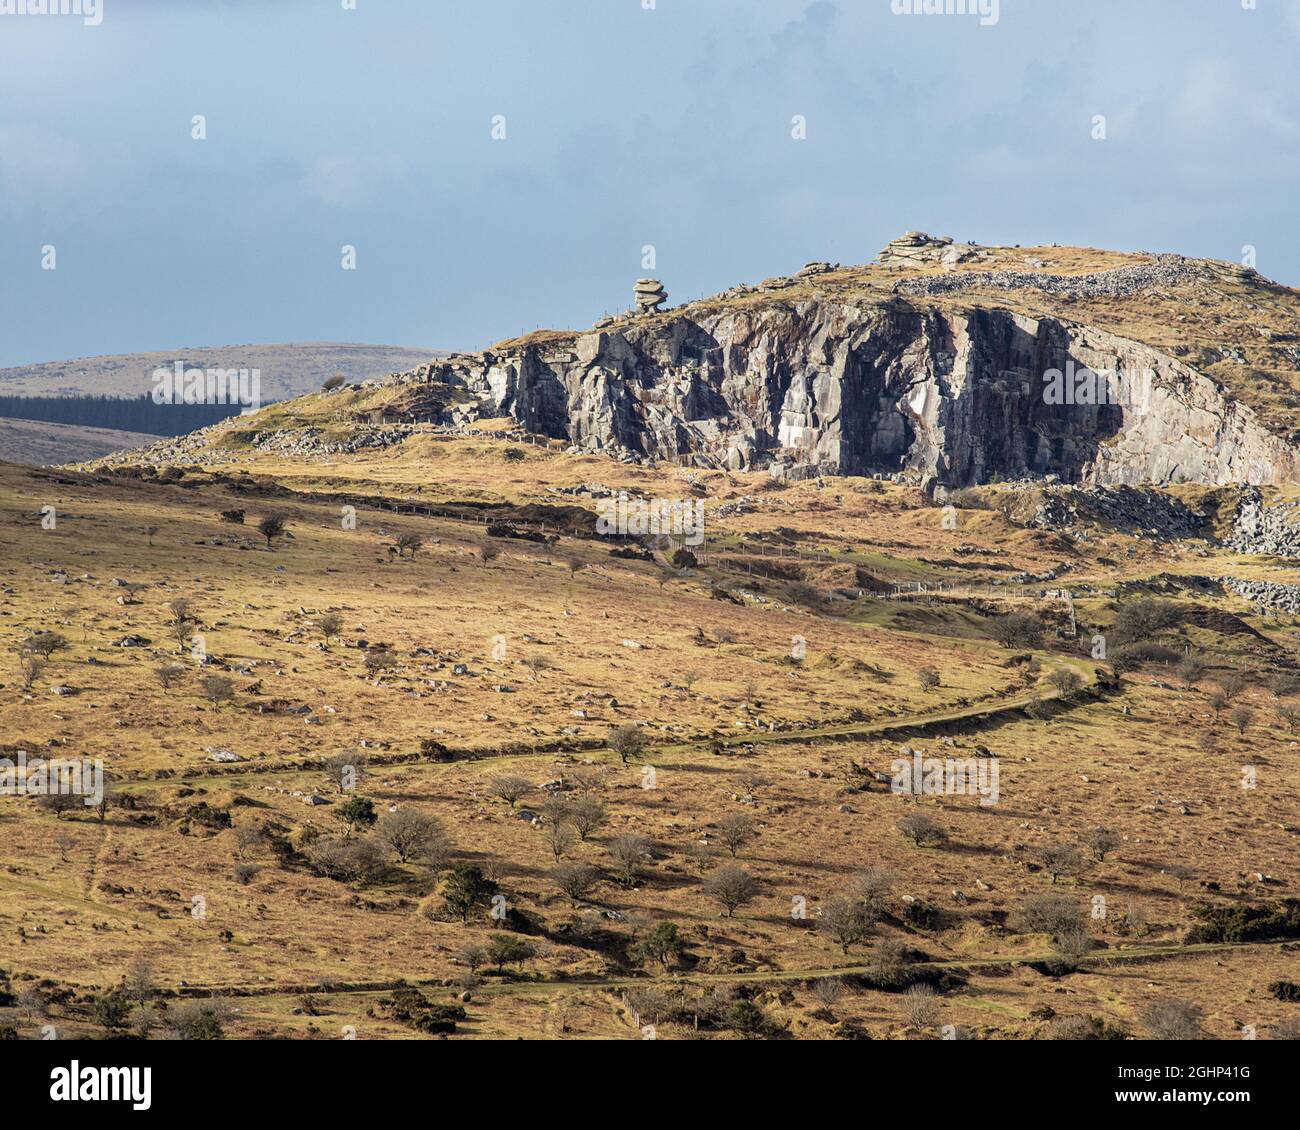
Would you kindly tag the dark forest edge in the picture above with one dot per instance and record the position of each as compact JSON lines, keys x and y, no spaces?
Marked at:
{"x":120,"y":413}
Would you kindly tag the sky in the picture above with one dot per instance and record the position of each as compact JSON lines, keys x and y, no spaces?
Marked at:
{"x":627,"y":123}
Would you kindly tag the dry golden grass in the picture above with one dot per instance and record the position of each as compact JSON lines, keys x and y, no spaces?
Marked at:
{"x":735,"y":726}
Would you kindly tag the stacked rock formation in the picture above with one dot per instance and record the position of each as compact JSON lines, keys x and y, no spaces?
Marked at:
{"x":650,"y":295}
{"x":917,"y":249}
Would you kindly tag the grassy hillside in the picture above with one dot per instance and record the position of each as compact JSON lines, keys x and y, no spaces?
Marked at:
{"x":41,"y":444}
{"x":773,"y":682}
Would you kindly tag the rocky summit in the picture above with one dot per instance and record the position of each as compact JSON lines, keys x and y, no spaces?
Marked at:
{"x":943,"y":361}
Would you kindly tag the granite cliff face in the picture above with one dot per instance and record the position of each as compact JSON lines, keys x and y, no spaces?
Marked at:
{"x":820,"y":386}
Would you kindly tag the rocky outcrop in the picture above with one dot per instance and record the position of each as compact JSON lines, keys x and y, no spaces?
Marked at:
{"x":649,"y":295}
{"x":816,"y":386}
{"x":917,"y":249}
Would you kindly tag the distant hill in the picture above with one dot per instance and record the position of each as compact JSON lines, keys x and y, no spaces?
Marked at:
{"x":287,"y":370}
{"x":41,"y":444}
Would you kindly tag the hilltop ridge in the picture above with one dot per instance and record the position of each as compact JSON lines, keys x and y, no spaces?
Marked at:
{"x":929,"y":364}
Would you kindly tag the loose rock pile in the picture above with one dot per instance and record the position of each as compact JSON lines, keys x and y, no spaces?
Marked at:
{"x":1122,"y":282}
{"x":1132,"y":509}
{"x":1261,"y":530}
{"x":313,"y":441}
{"x":1265,"y":593}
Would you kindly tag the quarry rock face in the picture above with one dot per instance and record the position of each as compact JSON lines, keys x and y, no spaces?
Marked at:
{"x":819,"y":387}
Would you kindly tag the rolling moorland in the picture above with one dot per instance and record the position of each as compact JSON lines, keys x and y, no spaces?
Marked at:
{"x":289,"y":369}
{"x":400,"y":744}
{"x":286,"y":371}
{"x":41,"y":444}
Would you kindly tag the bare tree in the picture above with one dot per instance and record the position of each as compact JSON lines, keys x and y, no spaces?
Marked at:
{"x":1072,"y":946}
{"x":408,"y":833}
{"x":1066,"y":682}
{"x":828,"y":991}
{"x":1232,"y":685}
{"x":586,"y":815}
{"x":1058,"y":859}
{"x":218,"y":689}
{"x":139,"y":980}
{"x":272,"y":527}
{"x":731,"y":887}
{"x":1056,"y":915}
{"x":1218,"y":702}
{"x":1172,"y":1019}
{"x":585,"y":781}
{"x":847,"y":921}
{"x":559,"y":838}
{"x":921,"y":1006}
{"x":511,"y":789}
{"x":575,"y":880}
{"x":60,"y":803}
{"x":872,"y":886}
{"x":628,"y":742}
{"x":1241,"y":717}
{"x":408,"y":542}
{"x":1191,"y":670}
{"x":922,"y":829}
{"x":888,"y":964}
{"x":1101,"y":842}
{"x":30,"y":668}
{"x":473,"y":956}
{"x":379,"y":660}
{"x":1284,"y":685}
{"x":344,"y":770}
{"x":1289,"y":716}
{"x":736,"y":830}
{"x":630,"y":853}
{"x":169,"y":674}
{"x":536,"y":664}
{"x":249,"y":839}
{"x":44,"y":644}
{"x":1018,"y":629}
{"x":183,"y":615}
